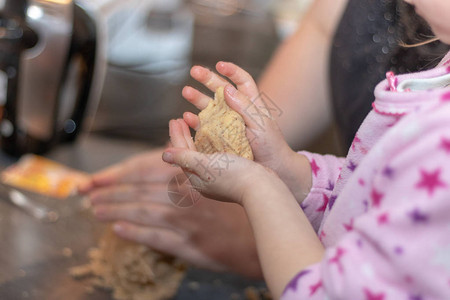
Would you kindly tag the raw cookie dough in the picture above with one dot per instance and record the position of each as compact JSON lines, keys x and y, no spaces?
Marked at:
{"x":132,"y":271}
{"x":222,"y":129}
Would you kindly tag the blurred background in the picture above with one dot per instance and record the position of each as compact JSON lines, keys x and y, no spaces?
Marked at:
{"x":151,"y":45}
{"x":117,"y":68}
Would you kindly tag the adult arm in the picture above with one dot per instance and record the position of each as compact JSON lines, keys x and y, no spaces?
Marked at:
{"x":297,"y":77}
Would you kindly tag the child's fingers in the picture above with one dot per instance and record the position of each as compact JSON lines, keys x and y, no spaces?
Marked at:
{"x":208,"y":78}
{"x":243,"y":80}
{"x":254,"y":117}
{"x":192,"y":120}
{"x":191,"y":162}
{"x":187,"y":134}
{"x":176,"y":135}
{"x":195,"y":97}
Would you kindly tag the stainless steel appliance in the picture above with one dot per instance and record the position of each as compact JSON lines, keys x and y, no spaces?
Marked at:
{"x":47,"y":68}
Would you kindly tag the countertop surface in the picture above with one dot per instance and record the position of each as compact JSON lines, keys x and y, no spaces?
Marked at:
{"x":35,"y":256}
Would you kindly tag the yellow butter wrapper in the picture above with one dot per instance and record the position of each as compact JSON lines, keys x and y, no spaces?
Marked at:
{"x":44,"y":176}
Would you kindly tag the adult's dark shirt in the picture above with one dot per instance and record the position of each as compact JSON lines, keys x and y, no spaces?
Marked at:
{"x":365,"y":47}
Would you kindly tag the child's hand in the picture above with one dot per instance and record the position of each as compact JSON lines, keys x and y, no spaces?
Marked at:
{"x":266,"y":139}
{"x":229,"y":184}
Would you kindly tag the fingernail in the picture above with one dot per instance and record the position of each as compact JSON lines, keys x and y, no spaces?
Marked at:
{"x":167,"y":157}
{"x":220,"y":63}
{"x":117,"y":227}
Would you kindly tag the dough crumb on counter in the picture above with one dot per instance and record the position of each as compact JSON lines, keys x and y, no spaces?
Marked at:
{"x":130,"y":271}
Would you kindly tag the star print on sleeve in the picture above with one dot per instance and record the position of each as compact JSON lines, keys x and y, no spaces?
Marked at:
{"x":388,"y":172}
{"x":445,"y":97}
{"x":314,"y":167}
{"x":376,"y":197}
{"x":313,"y":288}
{"x":348,"y":226}
{"x":292,"y":285}
{"x":352,"y":166}
{"x":324,"y":203}
{"x":356,"y":141}
{"x":418,"y":216}
{"x":330,"y":185}
{"x":370,"y":295}
{"x":445,"y":145}
{"x":331,"y":201}
{"x":383,"y":218}
{"x":337,"y":259}
{"x":430,"y":181}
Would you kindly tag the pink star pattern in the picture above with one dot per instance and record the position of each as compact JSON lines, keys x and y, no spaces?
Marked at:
{"x":324,"y":204}
{"x":430,"y":181}
{"x":383,"y":218}
{"x":364,"y":150}
{"x":408,"y":279}
{"x":356,"y":140}
{"x":445,"y":145}
{"x":349,"y":226}
{"x":314,"y":167}
{"x":446,"y":97}
{"x":337,"y":259}
{"x":322,"y":235}
{"x":387,"y":200}
{"x":313,"y":288}
{"x":376,"y":198}
{"x":373,"y":296}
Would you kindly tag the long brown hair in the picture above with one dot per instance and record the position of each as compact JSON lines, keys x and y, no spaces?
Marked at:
{"x":415,"y":30}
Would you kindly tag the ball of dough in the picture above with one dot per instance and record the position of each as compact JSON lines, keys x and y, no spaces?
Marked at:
{"x":222,"y":129}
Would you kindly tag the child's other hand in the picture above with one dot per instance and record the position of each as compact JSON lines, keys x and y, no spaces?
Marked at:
{"x":221,"y":178}
{"x":266,"y":139}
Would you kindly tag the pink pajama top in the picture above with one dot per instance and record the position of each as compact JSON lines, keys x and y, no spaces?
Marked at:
{"x":383,"y":212}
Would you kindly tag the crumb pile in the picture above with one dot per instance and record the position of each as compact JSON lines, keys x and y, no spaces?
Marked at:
{"x":131,"y":271}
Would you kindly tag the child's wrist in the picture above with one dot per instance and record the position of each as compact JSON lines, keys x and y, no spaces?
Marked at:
{"x":260,"y":181}
{"x":265,"y":185}
{"x":295,"y":171}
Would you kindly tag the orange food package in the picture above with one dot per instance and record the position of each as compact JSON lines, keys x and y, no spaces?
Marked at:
{"x":44,"y":176}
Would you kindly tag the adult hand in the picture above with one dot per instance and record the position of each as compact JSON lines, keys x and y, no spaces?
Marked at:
{"x":134,"y":196}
